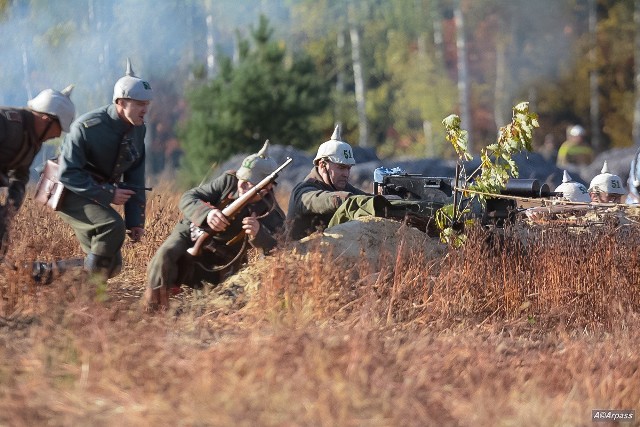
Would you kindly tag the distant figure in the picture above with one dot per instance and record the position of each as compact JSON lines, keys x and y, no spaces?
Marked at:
{"x":549,"y":148}
{"x":633,"y":198}
{"x":606,"y":187}
{"x":575,"y":151}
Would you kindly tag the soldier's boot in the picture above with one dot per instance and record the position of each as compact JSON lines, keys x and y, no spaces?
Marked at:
{"x":98,"y":267}
{"x":156,"y":299}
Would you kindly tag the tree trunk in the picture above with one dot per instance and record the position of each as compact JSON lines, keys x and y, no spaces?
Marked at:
{"x":438,"y":43}
{"x":211,"y":52}
{"x":594,"y":100}
{"x":636,"y":61}
{"x":358,"y":77}
{"x":463,"y":75}
{"x":500,"y":92}
{"x":339,"y":76}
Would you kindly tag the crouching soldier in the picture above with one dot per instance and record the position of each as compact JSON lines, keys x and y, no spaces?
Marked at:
{"x":22,"y":133}
{"x":255,"y":225}
{"x":103,"y":146}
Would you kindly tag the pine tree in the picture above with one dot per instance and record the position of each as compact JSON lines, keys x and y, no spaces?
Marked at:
{"x":268,"y":94}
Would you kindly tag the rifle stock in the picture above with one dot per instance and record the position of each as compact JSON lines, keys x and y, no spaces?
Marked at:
{"x":237,"y":205}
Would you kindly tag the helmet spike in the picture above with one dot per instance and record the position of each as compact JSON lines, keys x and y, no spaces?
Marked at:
{"x":336,"y":136}
{"x":130,"y":69}
{"x":605,"y":167}
{"x":566,"y":177}
{"x":67,"y":90}
{"x":264,"y":151}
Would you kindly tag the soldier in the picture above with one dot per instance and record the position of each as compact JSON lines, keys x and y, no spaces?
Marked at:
{"x":572,"y":191}
{"x":256,"y":224}
{"x":103,"y":146}
{"x":606,"y":187}
{"x":22,"y":133}
{"x":314,"y":201}
{"x":575,"y":151}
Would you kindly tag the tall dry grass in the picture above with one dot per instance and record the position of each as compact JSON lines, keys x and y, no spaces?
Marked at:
{"x":521,"y":327}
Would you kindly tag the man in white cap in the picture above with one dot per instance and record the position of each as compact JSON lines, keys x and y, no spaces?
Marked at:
{"x":575,"y":151}
{"x":606,"y":187}
{"x":315,"y":200}
{"x":255,"y":225}
{"x":22,"y":133}
{"x":104,"y":147}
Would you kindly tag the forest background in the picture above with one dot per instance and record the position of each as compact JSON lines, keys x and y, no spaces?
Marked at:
{"x":227,"y":74}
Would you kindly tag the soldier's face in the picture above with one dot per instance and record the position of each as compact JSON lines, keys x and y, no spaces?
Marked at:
{"x":605,"y":197}
{"x":244,"y":186}
{"x":132,"y":111}
{"x":335,"y":173}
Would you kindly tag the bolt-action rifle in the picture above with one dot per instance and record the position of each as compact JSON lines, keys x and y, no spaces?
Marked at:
{"x":232,"y":210}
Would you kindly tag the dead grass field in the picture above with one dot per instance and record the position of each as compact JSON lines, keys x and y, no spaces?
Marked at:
{"x":536,"y":327}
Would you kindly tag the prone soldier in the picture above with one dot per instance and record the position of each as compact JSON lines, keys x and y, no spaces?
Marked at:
{"x":315,"y":200}
{"x":606,"y":187}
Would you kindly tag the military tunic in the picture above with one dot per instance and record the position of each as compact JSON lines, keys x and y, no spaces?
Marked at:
{"x":313,"y":203}
{"x":172,"y":265}
{"x":19,"y":145}
{"x":100,"y":149}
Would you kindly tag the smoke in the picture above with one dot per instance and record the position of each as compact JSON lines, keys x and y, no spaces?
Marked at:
{"x":86,"y":43}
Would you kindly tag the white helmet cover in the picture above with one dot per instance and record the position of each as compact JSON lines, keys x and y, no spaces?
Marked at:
{"x":606,"y":182}
{"x":132,"y":87}
{"x":577,"y":130}
{"x":335,"y":151}
{"x":573,"y":191}
{"x":257,"y":167}
{"x":56,"y":104}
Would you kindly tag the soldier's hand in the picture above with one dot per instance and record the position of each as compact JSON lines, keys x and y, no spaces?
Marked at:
{"x":251,"y":225}
{"x":136,"y":233}
{"x":216,"y":220}
{"x":121,"y":196}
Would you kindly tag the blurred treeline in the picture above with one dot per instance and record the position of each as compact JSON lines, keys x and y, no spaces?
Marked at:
{"x":230,"y":74}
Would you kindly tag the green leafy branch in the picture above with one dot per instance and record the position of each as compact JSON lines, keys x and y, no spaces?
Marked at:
{"x":496,"y":166}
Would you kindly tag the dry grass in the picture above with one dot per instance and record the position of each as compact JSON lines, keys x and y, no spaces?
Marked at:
{"x":526,"y":327}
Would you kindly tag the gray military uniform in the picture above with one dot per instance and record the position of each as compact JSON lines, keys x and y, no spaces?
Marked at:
{"x":100,"y":149}
{"x":18,"y":147}
{"x":313,"y":203}
{"x":172,"y":265}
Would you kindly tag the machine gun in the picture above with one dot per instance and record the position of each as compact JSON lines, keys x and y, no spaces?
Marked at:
{"x":235,"y":207}
{"x":440,"y":190}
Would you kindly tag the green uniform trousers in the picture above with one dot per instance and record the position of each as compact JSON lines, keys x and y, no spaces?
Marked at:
{"x":99,"y":229}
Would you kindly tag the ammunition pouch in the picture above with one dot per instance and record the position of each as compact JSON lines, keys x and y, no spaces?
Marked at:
{"x":49,"y":191}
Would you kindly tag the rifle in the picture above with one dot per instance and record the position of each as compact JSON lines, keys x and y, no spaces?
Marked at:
{"x":237,"y":205}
